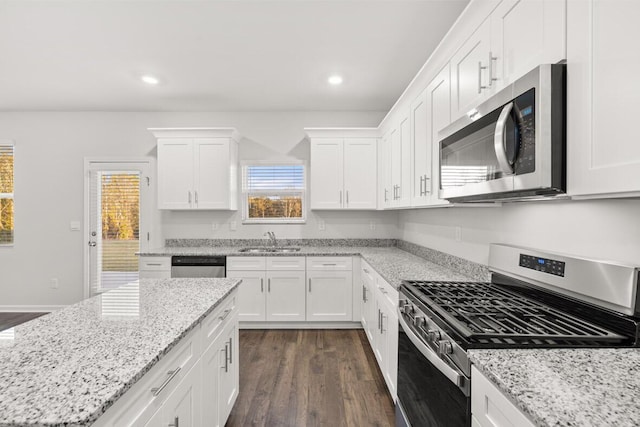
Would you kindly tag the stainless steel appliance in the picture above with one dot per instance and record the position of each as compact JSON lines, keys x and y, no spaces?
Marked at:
{"x":510,"y":147}
{"x":198,"y":266}
{"x":536,"y":299}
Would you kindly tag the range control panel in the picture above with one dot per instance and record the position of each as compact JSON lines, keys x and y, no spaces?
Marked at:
{"x":544,"y":265}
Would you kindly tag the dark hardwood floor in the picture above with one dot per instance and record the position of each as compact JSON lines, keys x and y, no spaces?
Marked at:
{"x":309,"y":378}
{"x":9,"y":320}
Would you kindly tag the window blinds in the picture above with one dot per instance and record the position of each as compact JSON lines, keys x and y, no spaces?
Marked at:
{"x":273,"y":178}
{"x":6,"y":194}
{"x":114,"y":228}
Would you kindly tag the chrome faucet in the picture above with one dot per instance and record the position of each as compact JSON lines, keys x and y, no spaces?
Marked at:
{"x":272,"y":238}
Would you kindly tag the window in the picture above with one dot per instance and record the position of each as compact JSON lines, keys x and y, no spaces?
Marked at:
{"x":273,"y":193}
{"x":6,"y":193}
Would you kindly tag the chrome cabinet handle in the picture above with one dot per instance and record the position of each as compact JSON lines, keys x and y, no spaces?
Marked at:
{"x":379,"y":313}
{"x":340,"y":198}
{"x":421,"y":182}
{"x":382,"y":316}
{"x":347,"y":198}
{"x":385,"y":195}
{"x":329,"y":264}
{"x":261,"y":285}
{"x":491,"y":59}
{"x":269,"y":284}
{"x":499,"y":140}
{"x":426,"y":188}
{"x":175,"y":423}
{"x":226,"y":313}
{"x":231,"y":350}
{"x":172,"y":374}
{"x":309,"y":284}
{"x":365,"y":270}
{"x":156,"y":264}
{"x":480,"y":68}
{"x":364,"y":294}
{"x":196,"y":194}
{"x":189,"y":197}
{"x":226,"y":358}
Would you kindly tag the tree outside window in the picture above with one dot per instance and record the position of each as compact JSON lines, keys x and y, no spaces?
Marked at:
{"x":6,"y":194}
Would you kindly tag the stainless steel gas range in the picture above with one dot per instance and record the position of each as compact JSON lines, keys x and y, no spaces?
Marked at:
{"x":536,"y":299}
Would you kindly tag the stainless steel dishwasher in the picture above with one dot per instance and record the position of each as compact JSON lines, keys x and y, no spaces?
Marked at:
{"x":198,"y":266}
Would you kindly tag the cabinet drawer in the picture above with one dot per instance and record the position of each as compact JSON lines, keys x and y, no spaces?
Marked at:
{"x":246,"y":263}
{"x":329,"y":263}
{"x":215,"y":322}
{"x":285,"y":263}
{"x":490,"y":407}
{"x":387,"y":292}
{"x":155,"y":263}
{"x":147,"y":395}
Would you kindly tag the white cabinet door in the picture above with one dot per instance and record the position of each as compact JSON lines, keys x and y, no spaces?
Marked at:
{"x":469,"y":71}
{"x":384,"y":165}
{"x":360,"y":173}
{"x":421,"y":150}
{"x":491,"y":408}
{"x":251,"y":295}
{"x":380,"y":350}
{"x":182,"y":407}
{"x":211,"y":365}
{"x":603,"y":91}
{"x":525,"y":34}
{"x":211,"y":174}
{"x":368,"y":303}
{"x":228,"y":384}
{"x":326,"y":170}
{"x":175,"y":173}
{"x":404,"y":190}
{"x":329,"y":295}
{"x":389,"y":328}
{"x":438,"y":117}
{"x":286,"y":296}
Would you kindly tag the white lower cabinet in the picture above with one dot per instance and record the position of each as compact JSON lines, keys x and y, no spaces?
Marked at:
{"x":491,"y":408}
{"x":329,"y":289}
{"x":195,"y":384}
{"x":379,"y":314}
{"x":154,"y":267}
{"x":285,"y":296}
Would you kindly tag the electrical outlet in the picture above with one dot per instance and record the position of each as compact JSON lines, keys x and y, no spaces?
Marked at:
{"x":321,"y":226}
{"x":372,"y":225}
{"x":74,"y":226}
{"x":233,"y":226}
{"x":53,"y":283}
{"x":215,"y":226}
{"x":458,"y":234}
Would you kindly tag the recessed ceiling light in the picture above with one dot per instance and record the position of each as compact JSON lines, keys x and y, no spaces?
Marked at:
{"x":149,"y":79}
{"x":335,"y":80}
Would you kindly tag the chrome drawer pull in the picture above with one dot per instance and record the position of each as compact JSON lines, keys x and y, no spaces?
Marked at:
{"x":226,"y":313}
{"x":154,"y":264}
{"x":157,"y":390}
{"x":175,"y":423}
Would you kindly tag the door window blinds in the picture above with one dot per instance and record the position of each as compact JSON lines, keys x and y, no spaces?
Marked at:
{"x":114,"y":228}
{"x":6,"y":194}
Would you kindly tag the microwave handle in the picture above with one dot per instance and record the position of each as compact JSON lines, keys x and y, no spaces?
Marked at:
{"x":499,"y":140}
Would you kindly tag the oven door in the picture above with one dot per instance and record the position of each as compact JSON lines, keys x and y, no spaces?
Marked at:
{"x":431,"y":393}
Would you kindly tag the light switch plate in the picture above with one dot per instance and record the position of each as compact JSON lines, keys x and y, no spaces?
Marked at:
{"x":233,"y":226}
{"x":74,"y":225}
{"x":321,"y":225}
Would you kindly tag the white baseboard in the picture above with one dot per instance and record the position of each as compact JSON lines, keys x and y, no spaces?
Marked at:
{"x":300,"y":325}
{"x":30,"y":308}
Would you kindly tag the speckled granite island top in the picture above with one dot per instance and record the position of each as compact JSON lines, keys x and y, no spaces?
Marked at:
{"x":393,"y":264}
{"x":568,"y":387}
{"x":68,"y":367}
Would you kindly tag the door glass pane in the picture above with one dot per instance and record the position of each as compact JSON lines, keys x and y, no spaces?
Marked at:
{"x":120,"y":217}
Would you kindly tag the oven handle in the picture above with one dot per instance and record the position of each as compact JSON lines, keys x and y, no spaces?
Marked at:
{"x":453,"y":375}
{"x":499,"y":140}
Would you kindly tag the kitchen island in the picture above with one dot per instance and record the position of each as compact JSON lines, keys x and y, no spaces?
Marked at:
{"x":71,"y":366}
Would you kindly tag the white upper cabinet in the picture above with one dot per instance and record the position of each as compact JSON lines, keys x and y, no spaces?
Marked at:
{"x":524,"y":34}
{"x":430,"y":112}
{"x":197,"y":169}
{"x":342,"y":171}
{"x":384,"y":166}
{"x":516,"y":37}
{"x":603,"y":91}
{"x":470,"y":71}
{"x":400,"y":142}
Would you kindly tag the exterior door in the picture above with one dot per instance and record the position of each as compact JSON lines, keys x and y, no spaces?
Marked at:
{"x":114,"y":223}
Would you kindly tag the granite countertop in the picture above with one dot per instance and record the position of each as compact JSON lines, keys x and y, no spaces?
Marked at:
{"x":68,"y":367}
{"x":568,"y":387}
{"x":393,"y":264}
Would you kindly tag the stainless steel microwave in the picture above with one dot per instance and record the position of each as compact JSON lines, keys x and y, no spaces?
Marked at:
{"x":512,"y":146}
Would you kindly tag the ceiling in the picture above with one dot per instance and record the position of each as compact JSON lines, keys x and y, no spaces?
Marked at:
{"x":216,"y":55}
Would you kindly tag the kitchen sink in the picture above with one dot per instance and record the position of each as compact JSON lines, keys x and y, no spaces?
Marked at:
{"x":269,"y":250}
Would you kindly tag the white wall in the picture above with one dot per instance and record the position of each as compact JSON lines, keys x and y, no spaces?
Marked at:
{"x":50,"y":152}
{"x":605,"y":229}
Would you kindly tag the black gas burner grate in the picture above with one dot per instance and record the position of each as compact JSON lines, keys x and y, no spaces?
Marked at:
{"x":485,"y":313}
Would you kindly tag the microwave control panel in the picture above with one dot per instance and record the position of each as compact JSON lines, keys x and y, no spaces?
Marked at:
{"x":543,"y":265}
{"x":526,"y":159}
